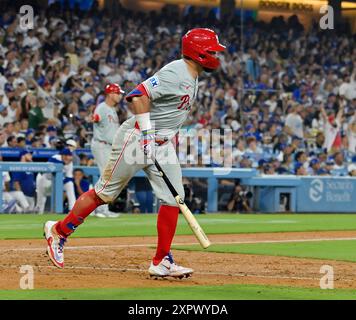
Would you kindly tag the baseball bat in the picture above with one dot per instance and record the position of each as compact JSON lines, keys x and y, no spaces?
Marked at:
{"x":193,"y":223}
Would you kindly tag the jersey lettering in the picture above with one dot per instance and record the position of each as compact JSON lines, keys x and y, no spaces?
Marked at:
{"x":185,"y":102}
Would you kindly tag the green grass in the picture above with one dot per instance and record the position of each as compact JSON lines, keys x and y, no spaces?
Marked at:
{"x":343,"y":250}
{"x":225,"y":292}
{"x":30,"y":226}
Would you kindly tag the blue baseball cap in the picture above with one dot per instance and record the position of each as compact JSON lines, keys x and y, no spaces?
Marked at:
{"x":29,"y":131}
{"x":89,"y":103}
{"x":51,"y":128}
{"x":297,"y":138}
{"x":297,"y":166}
{"x":24,"y":151}
{"x":322,"y":171}
{"x":282,"y":170}
{"x":261,"y":162}
{"x":2,"y":107}
{"x":314,"y":162}
{"x":330,"y":162}
{"x":66,"y":152}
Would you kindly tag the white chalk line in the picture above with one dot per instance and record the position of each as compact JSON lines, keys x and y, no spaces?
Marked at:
{"x":114,"y":246}
{"x":225,"y":274}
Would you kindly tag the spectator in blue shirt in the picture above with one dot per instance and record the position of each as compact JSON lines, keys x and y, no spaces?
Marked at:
{"x":81,"y":184}
{"x":23,"y":184}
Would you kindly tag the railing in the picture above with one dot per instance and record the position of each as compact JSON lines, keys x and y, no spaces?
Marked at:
{"x":55,"y":168}
{"x":308,"y":194}
{"x":211,"y":174}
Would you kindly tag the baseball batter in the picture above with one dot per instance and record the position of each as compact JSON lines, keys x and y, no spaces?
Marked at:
{"x":106,"y":124}
{"x":161,"y":105}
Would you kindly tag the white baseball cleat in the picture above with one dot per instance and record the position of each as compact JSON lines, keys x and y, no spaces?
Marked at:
{"x":55,"y":244}
{"x":168,"y":268}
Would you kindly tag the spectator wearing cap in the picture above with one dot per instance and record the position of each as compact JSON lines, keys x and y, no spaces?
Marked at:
{"x":299,"y":169}
{"x":23,"y":184}
{"x":294,"y":122}
{"x":261,"y":164}
{"x":30,"y":133}
{"x":329,"y":165}
{"x":51,"y":132}
{"x":44,"y":181}
{"x":72,"y":146}
{"x":314,"y":166}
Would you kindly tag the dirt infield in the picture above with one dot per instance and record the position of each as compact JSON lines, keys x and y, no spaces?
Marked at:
{"x":123,"y":262}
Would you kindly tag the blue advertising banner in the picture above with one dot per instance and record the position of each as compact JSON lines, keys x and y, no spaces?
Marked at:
{"x":325,"y":194}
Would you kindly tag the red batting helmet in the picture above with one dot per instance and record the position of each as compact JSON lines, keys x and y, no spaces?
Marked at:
{"x":113,"y":88}
{"x":198,"y":44}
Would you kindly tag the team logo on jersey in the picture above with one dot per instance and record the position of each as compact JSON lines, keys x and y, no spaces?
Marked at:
{"x":185,"y":102}
{"x":154,"y":82}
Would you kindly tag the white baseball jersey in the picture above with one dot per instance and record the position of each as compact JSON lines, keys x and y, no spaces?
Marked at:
{"x":105,"y":129}
{"x":172,"y":92}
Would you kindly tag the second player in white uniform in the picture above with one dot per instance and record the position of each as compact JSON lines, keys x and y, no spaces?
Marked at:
{"x":106,"y":124}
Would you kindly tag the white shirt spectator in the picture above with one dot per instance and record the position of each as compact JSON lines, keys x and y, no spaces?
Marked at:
{"x":330,"y":134}
{"x":295,"y":123}
{"x":32,"y":42}
{"x":3,"y":81}
{"x":134,"y":76}
{"x":86,"y":97}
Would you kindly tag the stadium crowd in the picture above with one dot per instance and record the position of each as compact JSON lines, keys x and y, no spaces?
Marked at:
{"x":289,"y":97}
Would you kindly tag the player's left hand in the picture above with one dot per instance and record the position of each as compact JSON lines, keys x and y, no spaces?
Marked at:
{"x":147,"y":142}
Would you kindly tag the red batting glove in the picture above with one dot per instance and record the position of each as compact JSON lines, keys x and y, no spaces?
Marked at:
{"x":95,"y":117}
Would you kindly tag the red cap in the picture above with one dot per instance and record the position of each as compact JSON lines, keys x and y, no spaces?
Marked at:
{"x":113,"y":88}
{"x":197,"y":43}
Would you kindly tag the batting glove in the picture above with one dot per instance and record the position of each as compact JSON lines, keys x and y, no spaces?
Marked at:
{"x":147,"y":142}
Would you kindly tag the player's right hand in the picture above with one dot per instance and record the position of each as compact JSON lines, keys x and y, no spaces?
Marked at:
{"x":147,"y":142}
